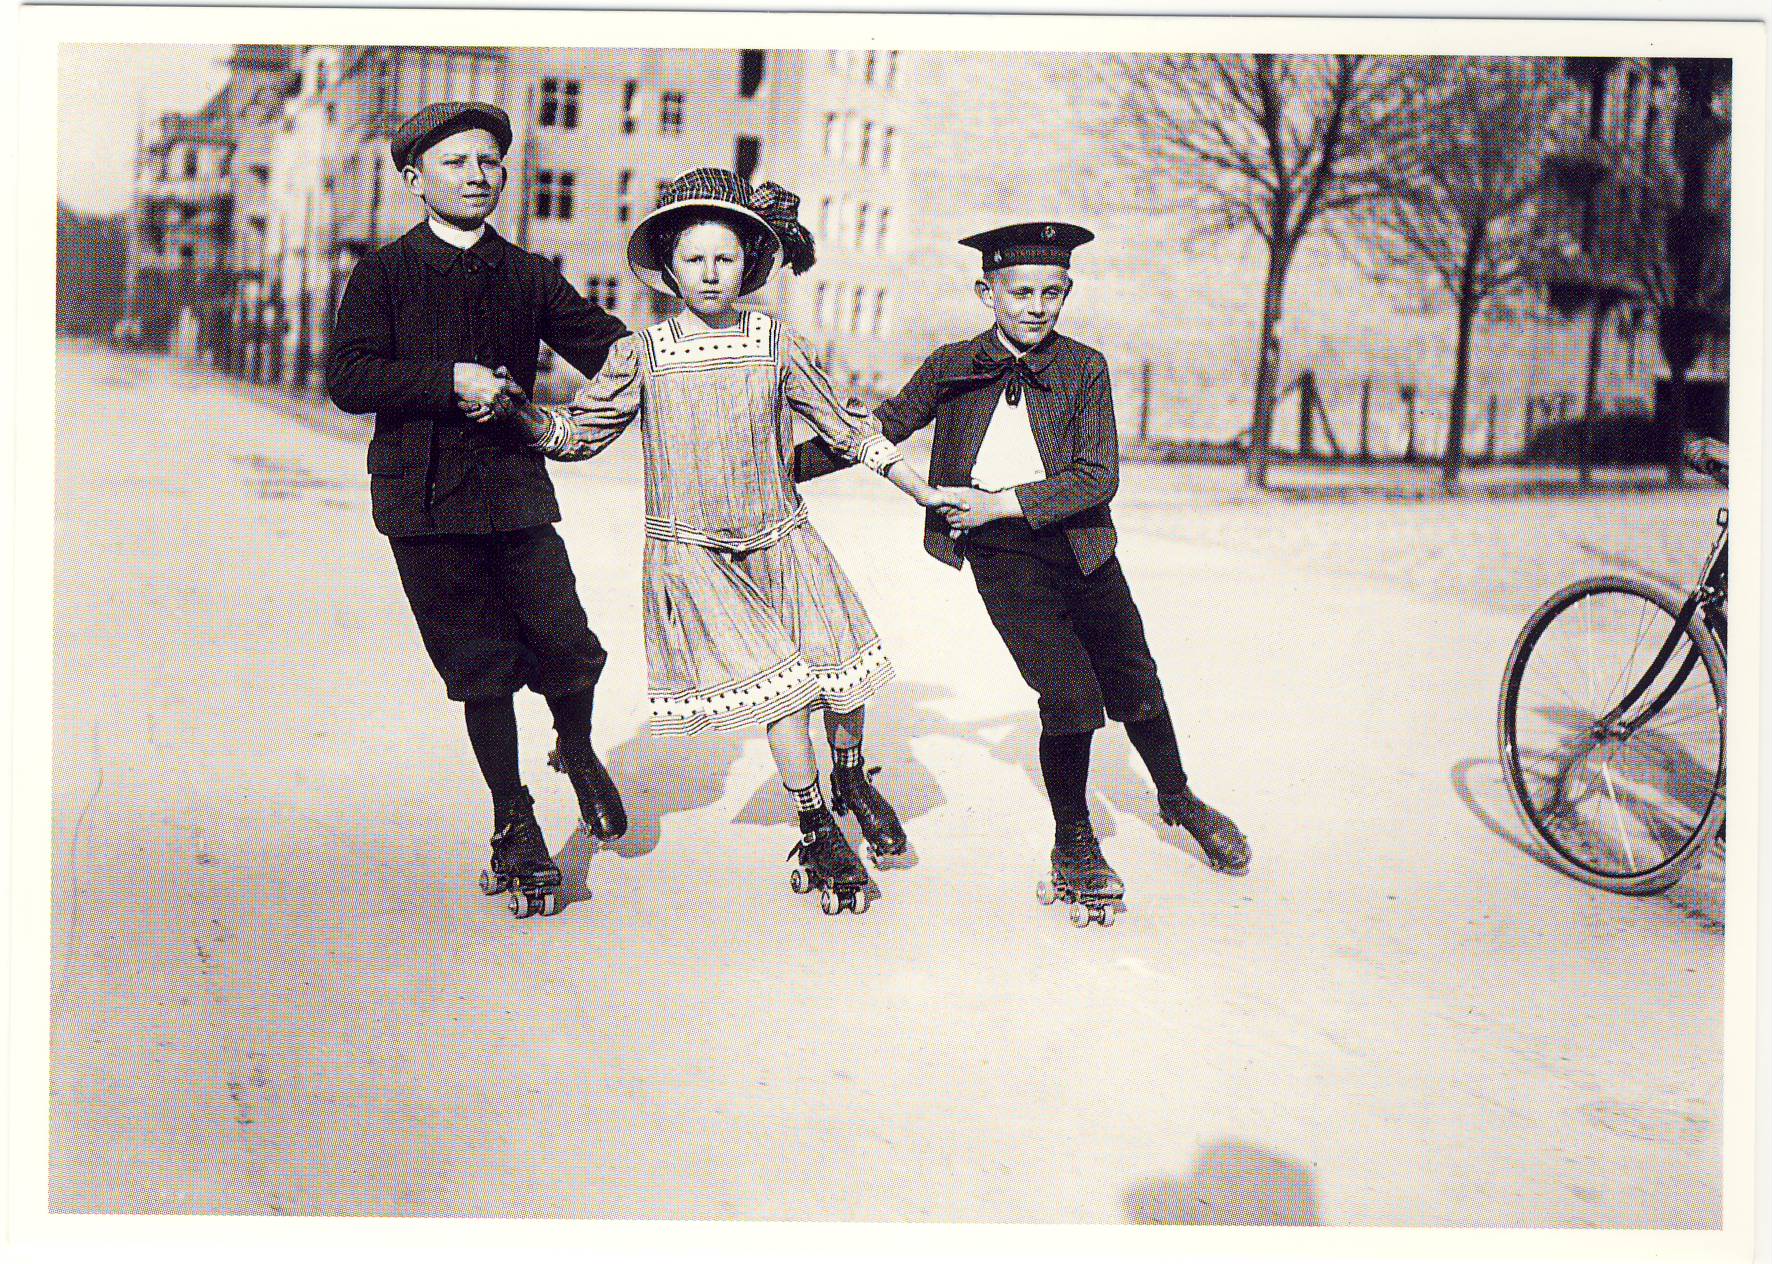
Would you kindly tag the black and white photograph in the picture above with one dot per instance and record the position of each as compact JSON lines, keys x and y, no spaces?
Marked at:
{"x":851,"y":621}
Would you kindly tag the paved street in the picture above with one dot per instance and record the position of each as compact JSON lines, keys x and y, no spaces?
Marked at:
{"x":277,"y":989}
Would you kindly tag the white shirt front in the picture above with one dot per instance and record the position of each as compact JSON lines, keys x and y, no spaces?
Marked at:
{"x":1008,"y":457}
{"x":460,"y":238}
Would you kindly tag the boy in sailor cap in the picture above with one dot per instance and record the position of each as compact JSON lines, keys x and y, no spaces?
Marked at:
{"x":432,"y":329}
{"x":1024,"y":421}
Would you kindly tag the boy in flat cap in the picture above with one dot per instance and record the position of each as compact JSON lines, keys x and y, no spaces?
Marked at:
{"x":1024,"y":419}
{"x":431,"y":329}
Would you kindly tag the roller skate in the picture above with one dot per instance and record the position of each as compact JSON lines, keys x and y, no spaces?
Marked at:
{"x":599,"y":802}
{"x":853,"y":790}
{"x":1081,"y":877}
{"x":1225,"y":848}
{"x":827,"y":862}
{"x":520,"y":862}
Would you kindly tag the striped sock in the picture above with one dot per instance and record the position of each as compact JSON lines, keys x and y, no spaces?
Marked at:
{"x":847,"y":756}
{"x":809,"y":799}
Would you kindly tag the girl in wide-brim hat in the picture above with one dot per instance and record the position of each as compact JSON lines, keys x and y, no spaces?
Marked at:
{"x":749,"y":620}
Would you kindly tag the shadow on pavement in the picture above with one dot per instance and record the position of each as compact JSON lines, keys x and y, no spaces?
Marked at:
{"x":1117,"y":780}
{"x":660,"y":776}
{"x":1232,"y":1183}
{"x":1699,"y":895}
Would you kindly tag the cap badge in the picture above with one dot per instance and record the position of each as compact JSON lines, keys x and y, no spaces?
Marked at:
{"x":1049,"y":232}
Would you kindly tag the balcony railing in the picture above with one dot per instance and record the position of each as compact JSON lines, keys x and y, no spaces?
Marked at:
{"x":186,"y":188}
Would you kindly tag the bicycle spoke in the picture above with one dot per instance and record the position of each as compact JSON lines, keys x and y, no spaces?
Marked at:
{"x":1630,"y":855}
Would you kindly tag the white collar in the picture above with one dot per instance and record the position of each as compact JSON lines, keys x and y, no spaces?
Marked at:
{"x":460,"y":238}
{"x":1010,"y":347}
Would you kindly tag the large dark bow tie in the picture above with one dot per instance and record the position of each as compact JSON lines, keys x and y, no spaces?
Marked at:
{"x":991,"y":365}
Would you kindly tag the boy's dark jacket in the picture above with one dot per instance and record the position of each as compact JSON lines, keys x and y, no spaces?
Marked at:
{"x":411,"y":311}
{"x":1070,"y":406}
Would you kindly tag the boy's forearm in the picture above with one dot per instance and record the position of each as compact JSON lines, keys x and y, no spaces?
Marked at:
{"x":359,"y":381}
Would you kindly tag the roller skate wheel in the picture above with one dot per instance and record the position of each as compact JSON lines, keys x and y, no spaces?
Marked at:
{"x":550,"y":904}
{"x":798,"y":882}
{"x":489,"y":885}
{"x":1080,"y":915}
{"x":830,"y":902}
{"x":1107,"y":916}
{"x":519,"y":904}
{"x":858,"y":900}
{"x":1044,"y":892}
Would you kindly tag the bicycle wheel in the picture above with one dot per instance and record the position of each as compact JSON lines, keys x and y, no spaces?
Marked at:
{"x":1626,"y":800}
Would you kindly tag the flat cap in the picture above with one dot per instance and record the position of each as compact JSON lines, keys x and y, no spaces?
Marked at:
{"x":1042,"y":241}
{"x":445,"y":118}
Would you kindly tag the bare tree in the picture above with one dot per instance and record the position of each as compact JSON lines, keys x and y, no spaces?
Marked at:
{"x":1476,"y":132}
{"x":1276,"y":145}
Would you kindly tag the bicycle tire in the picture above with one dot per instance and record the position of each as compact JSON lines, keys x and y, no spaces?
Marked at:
{"x":1666,"y":873}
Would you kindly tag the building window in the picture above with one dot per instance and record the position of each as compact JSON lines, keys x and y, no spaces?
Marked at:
{"x":861,"y":226}
{"x":892,"y":69}
{"x":624,"y":184}
{"x":558,"y":105}
{"x":824,"y":217}
{"x":630,"y":99}
{"x":604,"y":291}
{"x":670,"y":113}
{"x":830,"y":135}
{"x":887,"y":136}
{"x":821,"y":305}
{"x":747,"y":153}
{"x":857,"y":305}
{"x":877,"y":318}
{"x":553,"y":194}
{"x":751,"y":64}
{"x":882,"y":226}
{"x":868,"y":63}
{"x":865,"y":146}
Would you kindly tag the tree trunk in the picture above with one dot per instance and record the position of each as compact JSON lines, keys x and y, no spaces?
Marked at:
{"x":1453,"y":457}
{"x":1676,"y":401}
{"x":1468,"y":302}
{"x":1590,"y":408}
{"x":1267,"y":364}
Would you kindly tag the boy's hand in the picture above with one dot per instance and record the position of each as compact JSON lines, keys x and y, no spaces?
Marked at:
{"x":508,"y":399}
{"x":972,"y":508}
{"x":477,"y":388}
{"x":937,"y":498}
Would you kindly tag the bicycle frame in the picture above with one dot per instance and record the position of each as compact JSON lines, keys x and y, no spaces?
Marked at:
{"x":1710,"y":597}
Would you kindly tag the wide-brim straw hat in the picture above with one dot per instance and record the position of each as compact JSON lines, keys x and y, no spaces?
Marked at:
{"x":712,"y":189}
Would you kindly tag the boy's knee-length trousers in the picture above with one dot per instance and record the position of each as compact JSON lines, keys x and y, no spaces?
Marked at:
{"x":1078,"y":640}
{"x":498,"y":611}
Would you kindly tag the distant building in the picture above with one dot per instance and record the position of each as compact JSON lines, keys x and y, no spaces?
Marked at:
{"x":1615,"y":153}
{"x":196,"y":216}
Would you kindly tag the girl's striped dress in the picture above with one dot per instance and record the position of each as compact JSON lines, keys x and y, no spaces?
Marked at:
{"x":748,"y":616}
